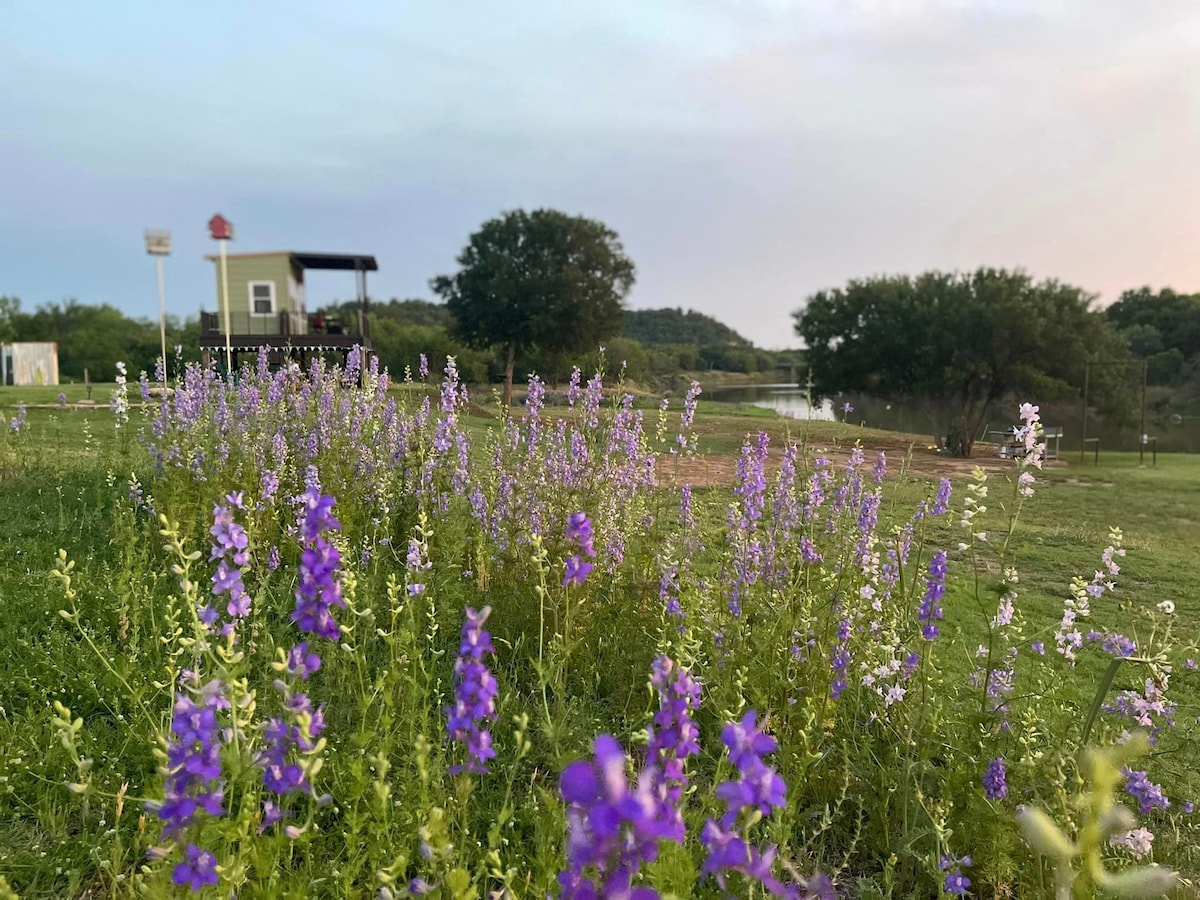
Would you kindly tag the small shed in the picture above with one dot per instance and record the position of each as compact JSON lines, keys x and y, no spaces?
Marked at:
{"x":29,"y":363}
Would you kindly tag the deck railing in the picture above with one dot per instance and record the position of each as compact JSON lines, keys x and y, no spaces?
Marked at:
{"x":281,"y":324}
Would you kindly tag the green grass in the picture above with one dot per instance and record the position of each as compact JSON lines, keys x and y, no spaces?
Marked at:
{"x":59,"y":479}
{"x":47,"y":394}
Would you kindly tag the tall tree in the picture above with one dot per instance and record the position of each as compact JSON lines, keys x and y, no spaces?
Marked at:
{"x":1162,"y":328}
{"x":952,"y":344}
{"x":539,"y":279}
{"x":10,"y":318}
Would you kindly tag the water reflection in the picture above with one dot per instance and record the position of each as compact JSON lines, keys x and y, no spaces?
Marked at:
{"x":785,"y":399}
{"x":1173,"y":433}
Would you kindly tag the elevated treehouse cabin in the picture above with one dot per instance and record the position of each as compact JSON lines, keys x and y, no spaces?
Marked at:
{"x":266,"y":307}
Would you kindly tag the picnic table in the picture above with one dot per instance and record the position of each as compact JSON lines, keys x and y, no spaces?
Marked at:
{"x":1010,"y":447}
{"x":1013,"y":448}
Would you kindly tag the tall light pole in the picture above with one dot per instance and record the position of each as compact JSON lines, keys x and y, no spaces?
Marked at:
{"x":221,"y":230}
{"x":158,"y":245}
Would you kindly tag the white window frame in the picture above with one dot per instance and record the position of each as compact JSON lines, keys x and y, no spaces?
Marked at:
{"x":274,"y":307}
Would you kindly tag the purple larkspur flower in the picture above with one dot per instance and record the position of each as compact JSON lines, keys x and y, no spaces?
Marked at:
{"x":229,"y":538}
{"x":574,"y":391}
{"x":577,"y":570}
{"x":319,"y":589}
{"x":931,"y":604}
{"x":193,"y":765}
{"x":17,"y":422}
{"x":995,"y":783}
{"x":1149,"y":795}
{"x":729,"y":852}
{"x":688,"y":415}
{"x":302,"y":728}
{"x":941,"y":503}
{"x":415,"y":562}
{"x":758,"y":787}
{"x":579,"y":532}
{"x":956,"y":883}
{"x":197,"y":871}
{"x":674,"y":735}
{"x":302,"y":662}
{"x":840,"y":663}
{"x":1113,"y":643}
{"x":611,"y":828}
{"x":668,"y":592}
{"x":808,"y":550}
{"x":474,"y":694}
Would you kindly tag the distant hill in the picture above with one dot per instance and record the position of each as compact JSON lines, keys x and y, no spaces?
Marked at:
{"x":674,"y":326}
{"x":652,"y":327}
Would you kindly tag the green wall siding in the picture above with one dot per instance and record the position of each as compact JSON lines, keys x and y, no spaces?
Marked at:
{"x":243,"y":271}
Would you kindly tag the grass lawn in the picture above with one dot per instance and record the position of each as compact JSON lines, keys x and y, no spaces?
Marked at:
{"x":59,"y":480}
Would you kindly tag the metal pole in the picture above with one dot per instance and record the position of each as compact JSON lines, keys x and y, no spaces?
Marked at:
{"x":1142,"y":441}
{"x":225,"y":295}
{"x":162,"y":320}
{"x":358,"y":289}
{"x":1087,"y":373}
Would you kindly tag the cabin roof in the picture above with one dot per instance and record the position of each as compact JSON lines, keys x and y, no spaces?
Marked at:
{"x":343,"y":261}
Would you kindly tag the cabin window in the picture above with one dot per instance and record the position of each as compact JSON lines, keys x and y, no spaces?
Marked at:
{"x":262,"y":297}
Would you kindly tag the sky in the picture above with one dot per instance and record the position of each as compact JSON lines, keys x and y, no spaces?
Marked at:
{"x":747,"y":152}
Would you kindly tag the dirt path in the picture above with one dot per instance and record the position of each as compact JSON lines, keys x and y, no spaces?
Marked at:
{"x":720,"y":470}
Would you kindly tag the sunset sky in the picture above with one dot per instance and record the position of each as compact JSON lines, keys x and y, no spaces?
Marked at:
{"x":748,"y":152}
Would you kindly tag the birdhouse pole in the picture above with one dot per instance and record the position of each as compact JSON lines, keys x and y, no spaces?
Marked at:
{"x":158,"y":245}
{"x":221,"y":230}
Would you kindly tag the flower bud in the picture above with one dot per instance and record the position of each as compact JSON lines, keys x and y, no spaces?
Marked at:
{"x":1144,"y":881}
{"x":1042,"y":835}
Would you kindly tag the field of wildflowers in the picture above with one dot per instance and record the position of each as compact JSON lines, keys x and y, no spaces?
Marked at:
{"x":317,"y":635}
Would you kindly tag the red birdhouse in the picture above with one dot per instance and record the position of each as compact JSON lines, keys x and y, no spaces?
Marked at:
{"x":220,"y":228}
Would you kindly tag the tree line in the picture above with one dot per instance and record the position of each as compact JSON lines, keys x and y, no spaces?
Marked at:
{"x":93,"y":338}
{"x":536,"y":291}
{"x":539,"y":291}
{"x":952,"y":344}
